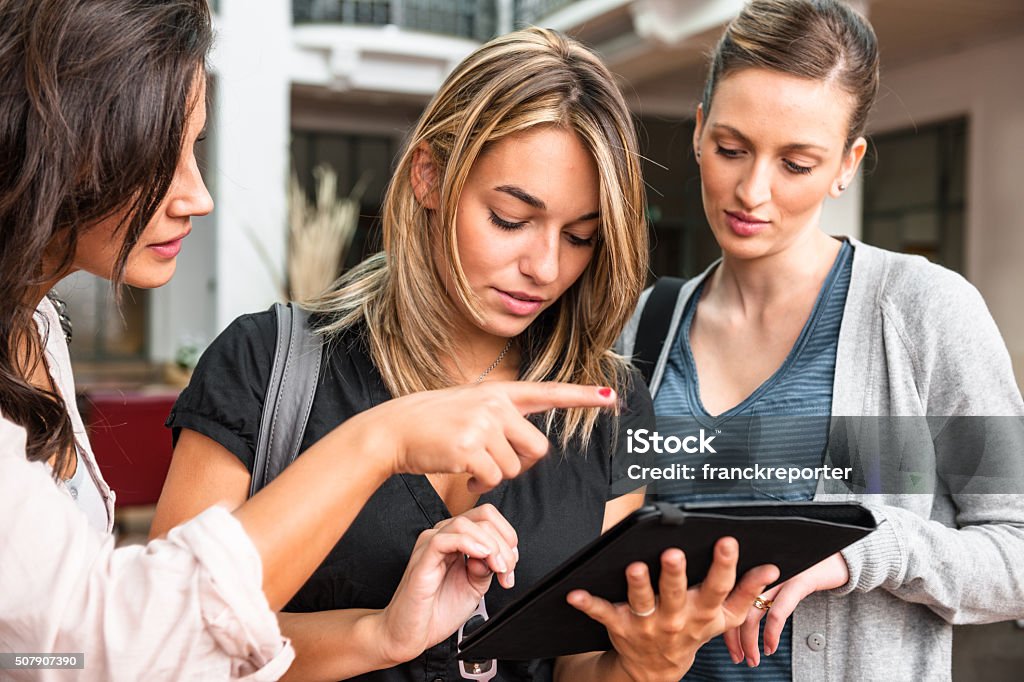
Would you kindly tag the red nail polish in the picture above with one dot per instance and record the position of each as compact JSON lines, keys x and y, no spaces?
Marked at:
{"x":605,"y":392}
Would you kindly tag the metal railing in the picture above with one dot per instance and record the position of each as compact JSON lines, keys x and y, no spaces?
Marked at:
{"x":528,"y":12}
{"x":474,"y":19}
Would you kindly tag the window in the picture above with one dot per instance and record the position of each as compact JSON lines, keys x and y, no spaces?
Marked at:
{"x":104,"y":333}
{"x":682,"y":242}
{"x":350,"y":156}
{"x":914,"y":188}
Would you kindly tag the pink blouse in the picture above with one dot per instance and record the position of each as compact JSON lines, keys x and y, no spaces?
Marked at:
{"x":190,"y":607}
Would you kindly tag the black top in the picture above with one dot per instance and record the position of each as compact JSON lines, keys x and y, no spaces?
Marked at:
{"x":556,"y":507}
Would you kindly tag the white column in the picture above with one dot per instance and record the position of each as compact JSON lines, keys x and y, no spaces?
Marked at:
{"x":251,"y":153}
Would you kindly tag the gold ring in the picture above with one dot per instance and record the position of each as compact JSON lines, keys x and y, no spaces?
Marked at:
{"x":763,"y":604}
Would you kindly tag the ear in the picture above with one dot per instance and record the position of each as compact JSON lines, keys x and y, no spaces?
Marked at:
{"x":698,"y":128}
{"x":848,"y":168}
{"x":424,"y":177}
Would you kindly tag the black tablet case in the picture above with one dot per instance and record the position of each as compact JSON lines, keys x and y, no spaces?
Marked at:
{"x":541,"y":624}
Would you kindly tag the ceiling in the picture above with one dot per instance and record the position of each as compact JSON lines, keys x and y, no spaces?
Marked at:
{"x":664,"y":78}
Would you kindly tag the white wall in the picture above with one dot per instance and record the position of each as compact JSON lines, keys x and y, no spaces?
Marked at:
{"x":985,"y":85}
{"x":373,"y":59}
{"x":844,"y":216}
{"x":184,"y":310}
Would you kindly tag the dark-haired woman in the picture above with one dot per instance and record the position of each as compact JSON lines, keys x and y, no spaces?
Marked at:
{"x":792,"y":323}
{"x":102,"y":103}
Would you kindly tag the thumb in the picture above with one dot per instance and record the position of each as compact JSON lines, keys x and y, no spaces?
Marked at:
{"x":479,"y":575}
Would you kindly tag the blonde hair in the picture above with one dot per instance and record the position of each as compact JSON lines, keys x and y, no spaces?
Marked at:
{"x":513,"y":83}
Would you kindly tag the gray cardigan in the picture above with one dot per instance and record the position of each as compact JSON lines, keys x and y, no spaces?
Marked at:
{"x":916,"y":339}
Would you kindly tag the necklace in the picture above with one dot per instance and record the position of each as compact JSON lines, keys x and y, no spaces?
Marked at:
{"x":62,"y":314}
{"x":497,"y":361}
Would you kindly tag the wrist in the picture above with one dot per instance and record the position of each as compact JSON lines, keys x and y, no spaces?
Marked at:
{"x":369,"y":444}
{"x":617,"y":669}
{"x":373,"y":628}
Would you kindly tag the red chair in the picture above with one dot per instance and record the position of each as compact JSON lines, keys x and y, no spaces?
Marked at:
{"x":132,"y":446}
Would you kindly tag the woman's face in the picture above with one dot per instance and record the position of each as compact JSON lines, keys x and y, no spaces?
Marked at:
{"x":152,"y":260}
{"x":770,"y":150}
{"x":526,"y":226}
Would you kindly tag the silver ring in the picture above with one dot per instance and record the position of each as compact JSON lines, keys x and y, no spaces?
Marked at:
{"x":643,"y":614}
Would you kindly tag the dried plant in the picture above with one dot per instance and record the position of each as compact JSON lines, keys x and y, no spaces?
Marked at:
{"x":321,"y":232}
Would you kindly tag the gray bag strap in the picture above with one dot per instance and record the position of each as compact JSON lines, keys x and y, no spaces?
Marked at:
{"x":289,"y":399}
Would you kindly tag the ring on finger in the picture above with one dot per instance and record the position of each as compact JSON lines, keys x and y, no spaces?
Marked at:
{"x":763,"y":604}
{"x":643,"y":614}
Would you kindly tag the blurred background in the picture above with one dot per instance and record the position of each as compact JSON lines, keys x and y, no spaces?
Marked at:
{"x":311,"y":102}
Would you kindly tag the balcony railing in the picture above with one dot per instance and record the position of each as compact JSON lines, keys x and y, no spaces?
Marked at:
{"x":528,"y":12}
{"x":474,"y":19}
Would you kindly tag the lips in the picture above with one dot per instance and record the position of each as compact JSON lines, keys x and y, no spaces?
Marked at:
{"x":519,"y":302}
{"x":744,"y":224}
{"x":169,"y":249}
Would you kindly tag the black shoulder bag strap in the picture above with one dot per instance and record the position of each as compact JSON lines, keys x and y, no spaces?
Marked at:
{"x":289,"y":399}
{"x":655,"y":321}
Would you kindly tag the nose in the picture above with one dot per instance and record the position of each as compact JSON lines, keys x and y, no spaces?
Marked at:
{"x":755,"y":187}
{"x":188,"y":195}
{"x":539,"y":260}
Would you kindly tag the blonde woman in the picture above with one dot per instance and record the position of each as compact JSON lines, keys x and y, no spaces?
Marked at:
{"x":514,"y":248}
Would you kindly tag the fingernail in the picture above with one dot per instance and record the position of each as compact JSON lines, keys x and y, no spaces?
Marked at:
{"x":499,"y":563}
{"x":515,"y":550}
{"x":605,"y":392}
{"x":482,"y":550}
{"x":768,"y":652}
{"x":736,"y":658}
{"x":510,"y":579}
{"x":750,"y":663}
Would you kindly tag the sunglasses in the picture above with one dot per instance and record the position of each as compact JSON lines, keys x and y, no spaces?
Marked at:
{"x":476,"y":670}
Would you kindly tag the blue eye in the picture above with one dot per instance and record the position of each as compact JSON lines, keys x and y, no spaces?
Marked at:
{"x":797,"y":168}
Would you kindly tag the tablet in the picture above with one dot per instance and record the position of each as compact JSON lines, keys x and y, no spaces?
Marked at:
{"x":541,"y":624}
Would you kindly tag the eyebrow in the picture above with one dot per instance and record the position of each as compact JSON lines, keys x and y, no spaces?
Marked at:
{"x":527,"y":198}
{"x":792,"y":146}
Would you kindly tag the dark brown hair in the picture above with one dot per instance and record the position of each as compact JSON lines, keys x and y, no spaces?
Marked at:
{"x":94,"y":102}
{"x":819,"y":39}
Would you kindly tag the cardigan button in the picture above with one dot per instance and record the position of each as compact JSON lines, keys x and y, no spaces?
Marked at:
{"x":816,"y":641}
